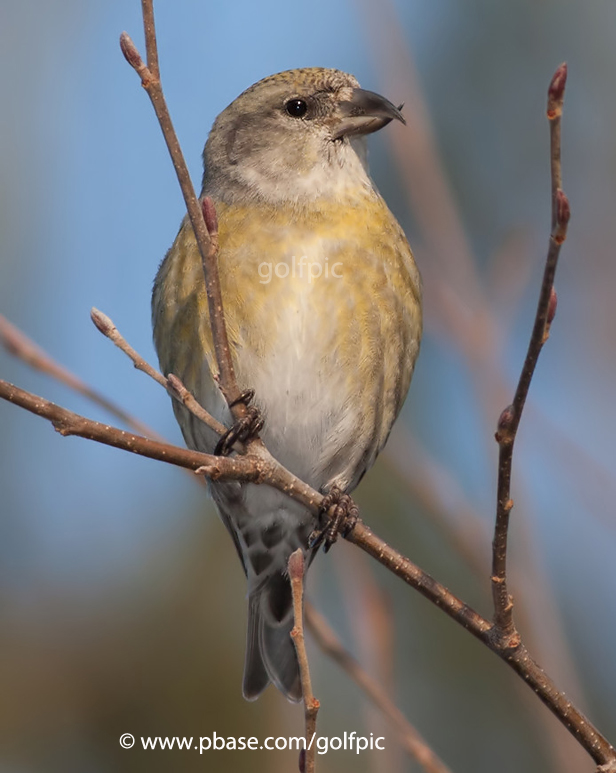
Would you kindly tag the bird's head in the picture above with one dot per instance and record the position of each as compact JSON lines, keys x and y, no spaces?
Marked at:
{"x":294,"y":136}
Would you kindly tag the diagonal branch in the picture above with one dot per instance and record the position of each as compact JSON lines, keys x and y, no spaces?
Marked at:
{"x":172,"y":384}
{"x":205,"y":232}
{"x":517,"y":657}
{"x":69,"y":423}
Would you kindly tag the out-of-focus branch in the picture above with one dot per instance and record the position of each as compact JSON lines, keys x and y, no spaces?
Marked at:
{"x":409,"y":737}
{"x":311,"y":704}
{"x":17,"y":343}
{"x":510,"y":418}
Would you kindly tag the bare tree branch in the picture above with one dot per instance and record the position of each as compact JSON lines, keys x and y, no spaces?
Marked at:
{"x":172,"y":384}
{"x":149,"y":29}
{"x":68,"y":423}
{"x":198,"y":214}
{"x":510,"y":418}
{"x":311,"y":704}
{"x":514,"y":654}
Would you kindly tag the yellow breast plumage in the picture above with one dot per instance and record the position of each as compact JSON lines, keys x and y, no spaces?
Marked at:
{"x":337,"y":280}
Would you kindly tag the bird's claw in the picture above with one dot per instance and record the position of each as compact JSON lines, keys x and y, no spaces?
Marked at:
{"x":245,"y":397}
{"x":339,"y":522}
{"x":246,"y":428}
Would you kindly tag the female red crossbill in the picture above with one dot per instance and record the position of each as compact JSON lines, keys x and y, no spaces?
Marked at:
{"x":329,"y":353}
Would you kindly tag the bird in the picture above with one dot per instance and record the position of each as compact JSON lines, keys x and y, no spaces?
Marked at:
{"x":322,"y":303}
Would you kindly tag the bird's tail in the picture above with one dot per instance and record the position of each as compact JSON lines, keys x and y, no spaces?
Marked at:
{"x":270,"y":654}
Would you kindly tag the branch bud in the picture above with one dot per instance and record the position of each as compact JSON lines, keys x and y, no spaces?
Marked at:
{"x":563,"y":210}
{"x":552,"y":304}
{"x":129,"y":49}
{"x":174,"y":383}
{"x":102,"y":321}
{"x":563,"y":214}
{"x":505,"y":425}
{"x":209,"y":215}
{"x":556,"y":92}
{"x":296,"y":565}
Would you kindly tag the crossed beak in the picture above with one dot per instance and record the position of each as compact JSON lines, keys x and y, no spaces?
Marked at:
{"x":364,"y":113}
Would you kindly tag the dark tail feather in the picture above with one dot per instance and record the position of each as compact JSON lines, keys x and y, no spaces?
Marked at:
{"x":270,"y":654}
{"x":255,"y":673}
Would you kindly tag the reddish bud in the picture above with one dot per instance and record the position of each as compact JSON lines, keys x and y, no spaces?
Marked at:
{"x":129,"y":49}
{"x":506,"y":418}
{"x":296,"y":565}
{"x":556,"y":92}
{"x":209,"y":215}
{"x":563,"y":209}
{"x":552,"y":304}
{"x":102,"y":321}
{"x":505,"y":423}
{"x":563,"y":214}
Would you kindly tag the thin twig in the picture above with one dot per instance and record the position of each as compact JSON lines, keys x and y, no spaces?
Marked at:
{"x":190,"y":401}
{"x":105,"y":325}
{"x":172,"y":383}
{"x":69,"y":423}
{"x":510,"y":418}
{"x":151,"y":46}
{"x":277,"y":476}
{"x":311,"y":704}
{"x":209,"y":261}
{"x":409,"y":737}
{"x":206,"y":244}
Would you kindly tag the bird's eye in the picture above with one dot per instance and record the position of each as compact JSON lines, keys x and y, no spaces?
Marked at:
{"x":296,"y":108}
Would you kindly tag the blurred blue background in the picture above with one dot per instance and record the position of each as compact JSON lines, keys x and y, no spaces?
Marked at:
{"x":121,"y":598}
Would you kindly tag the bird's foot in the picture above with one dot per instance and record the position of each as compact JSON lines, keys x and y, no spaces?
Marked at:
{"x":245,"y":428}
{"x":341,"y":514}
